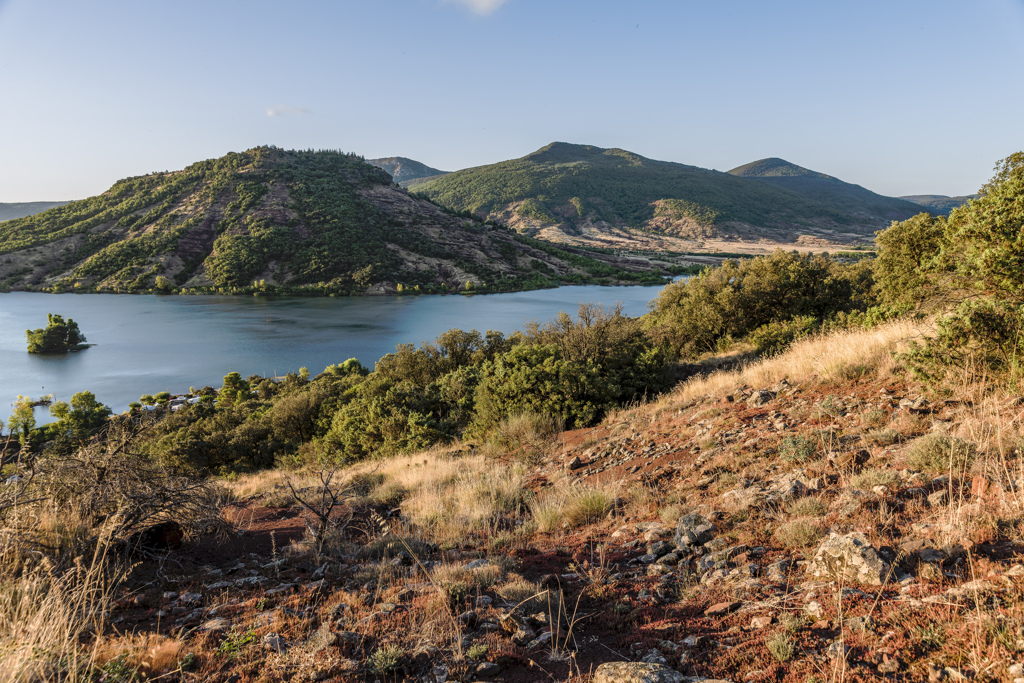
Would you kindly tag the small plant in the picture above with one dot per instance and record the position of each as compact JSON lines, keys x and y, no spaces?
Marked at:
{"x":117,"y":670}
{"x":236,"y":641}
{"x":798,"y":449}
{"x":874,"y":418}
{"x":882,"y":437}
{"x":386,"y":659}
{"x":874,"y":476}
{"x":780,"y":646}
{"x":937,"y":452}
{"x":808,"y":506}
{"x":830,"y":407}
{"x":792,"y":622}
{"x":477,"y":651}
{"x":798,"y":534}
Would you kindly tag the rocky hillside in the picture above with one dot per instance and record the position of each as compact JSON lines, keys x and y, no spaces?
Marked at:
{"x":939,"y":203}
{"x":404,"y":170}
{"x":11,"y":210}
{"x":813,"y":517}
{"x":567,"y":192}
{"x":847,"y":198}
{"x":285,"y":221}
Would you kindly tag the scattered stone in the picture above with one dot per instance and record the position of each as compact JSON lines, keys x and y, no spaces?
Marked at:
{"x":274,"y":643}
{"x":575,"y":463}
{"x":758,"y":623}
{"x":321,"y":639}
{"x":838,"y":650}
{"x":694,"y":529}
{"x":487,"y":669}
{"x":889,"y":666}
{"x":521,"y":631}
{"x":859,"y":624}
{"x":191,"y":599}
{"x":636,"y":672}
{"x":939,"y":498}
{"x":760,"y":398}
{"x":722,"y":609}
{"x":849,"y":558}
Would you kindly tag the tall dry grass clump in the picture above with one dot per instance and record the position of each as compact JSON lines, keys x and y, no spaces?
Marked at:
{"x":832,"y":357}
{"x":44,"y":616}
{"x":452,"y":497}
{"x":575,"y":504}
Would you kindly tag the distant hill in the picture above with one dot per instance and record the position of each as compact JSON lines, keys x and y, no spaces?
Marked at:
{"x":9,"y":211}
{"x":404,"y":170}
{"x":582,"y":190}
{"x":281,"y":221}
{"x":860,"y":204}
{"x":939,"y":203}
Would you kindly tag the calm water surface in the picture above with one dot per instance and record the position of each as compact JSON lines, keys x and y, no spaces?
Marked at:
{"x":147,"y":343}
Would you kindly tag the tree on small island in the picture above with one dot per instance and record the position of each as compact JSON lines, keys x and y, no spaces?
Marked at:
{"x":59,"y":336}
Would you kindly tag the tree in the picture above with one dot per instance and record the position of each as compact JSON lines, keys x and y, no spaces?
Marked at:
{"x":980,"y":256}
{"x":23,"y":420}
{"x":83,"y":417}
{"x":60,"y":335}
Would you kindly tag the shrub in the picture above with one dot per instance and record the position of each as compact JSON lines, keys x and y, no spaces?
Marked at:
{"x":387,"y":659}
{"x":799,"y":533}
{"x":774,"y":337}
{"x":527,"y":435}
{"x":798,"y":449}
{"x":938,"y":452}
{"x":807,"y":506}
{"x":874,"y":476}
{"x":780,"y":646}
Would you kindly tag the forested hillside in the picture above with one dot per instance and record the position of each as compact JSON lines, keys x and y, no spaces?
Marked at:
{"x":939,"y":203}
{"x":861,"y":204}
{"x":281,"y":221}
{"x":582,"y":188}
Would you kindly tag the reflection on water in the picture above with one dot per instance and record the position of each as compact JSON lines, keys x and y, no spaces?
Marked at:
{"x":146,"y":344}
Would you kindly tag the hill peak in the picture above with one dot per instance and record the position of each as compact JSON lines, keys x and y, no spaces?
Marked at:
{"x":562,"y":152}
{"x":774,"y":167}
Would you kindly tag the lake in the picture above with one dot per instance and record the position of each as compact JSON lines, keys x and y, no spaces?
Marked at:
{"x":150,"y":343}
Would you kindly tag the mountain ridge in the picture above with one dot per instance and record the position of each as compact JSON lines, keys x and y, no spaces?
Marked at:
{"x":579,"y":191}
{"x":282,"y":221}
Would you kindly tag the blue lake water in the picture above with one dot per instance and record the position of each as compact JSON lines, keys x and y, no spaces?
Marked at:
{"x":147,"y":343}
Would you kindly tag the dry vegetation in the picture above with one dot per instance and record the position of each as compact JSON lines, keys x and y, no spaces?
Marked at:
{"x":529,"y":557}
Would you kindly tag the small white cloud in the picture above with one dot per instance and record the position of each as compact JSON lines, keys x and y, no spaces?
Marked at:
{"x":281,"y":111}
{"x":479,"y":6}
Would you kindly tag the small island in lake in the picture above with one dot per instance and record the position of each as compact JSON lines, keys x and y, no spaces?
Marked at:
{"x":59,"y":336}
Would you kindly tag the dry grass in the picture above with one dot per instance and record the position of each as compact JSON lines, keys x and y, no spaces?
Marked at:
{"x":451,"y":498}
{"x":43,"y":618}
{"x":574,"y":504}
{"x":835,"y":357}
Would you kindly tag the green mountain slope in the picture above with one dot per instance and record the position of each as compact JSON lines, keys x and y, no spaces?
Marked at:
{"x":12,"y":210}
{"x":939,"y":203}
{"x":285,"y":221}
{"x":404,"y":170}
{"x":585,"y":188}
{"x":860,"y":204}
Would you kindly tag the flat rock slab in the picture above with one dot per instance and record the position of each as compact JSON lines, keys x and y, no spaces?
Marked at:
{"x":722,"y":608}
{"x":636,"y":672}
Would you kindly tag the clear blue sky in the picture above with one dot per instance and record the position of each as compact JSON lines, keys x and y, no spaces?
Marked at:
{"x":901,"y":96}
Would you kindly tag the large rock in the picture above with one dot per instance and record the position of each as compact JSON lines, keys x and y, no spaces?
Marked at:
{"x":849,"y":558}
{"x":636,"y":672}
{"x":694,"y":529}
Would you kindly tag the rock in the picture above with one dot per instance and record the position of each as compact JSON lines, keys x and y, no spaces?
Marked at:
{"x":778,"y":571}
{"x":940,"y":497}
{"x":694,"y":529}
{"x":859,"y":624}
{"x":658,"y":570}
{"x":758,"y":623}
{"x":760,"y":398}
{"x":838,"y":650}
{"x":659,"y":548}
{"x":636,"y":672}
{"x":190,"y":599}
{"x":658,"y":533}
{"x":487,"y":669}
{"x":722,"y":608}
{"x":849,"y":558}
{"x":321,"y":639}
{"x":163,"y":536}
{"x":574,"y":464}
{"x":274,"y":643}
{"x":813,"y":609}
{"x":218,"y":625}
{"x":889,"y":666}
{"x":521,"y":631}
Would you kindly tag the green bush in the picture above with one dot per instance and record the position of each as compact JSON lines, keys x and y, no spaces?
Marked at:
{"x":737,"y":298}
{"x":937,"y":452}
{"x":775,"y":337}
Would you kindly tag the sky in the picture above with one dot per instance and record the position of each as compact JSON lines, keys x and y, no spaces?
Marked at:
{"x":902,"y":97}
